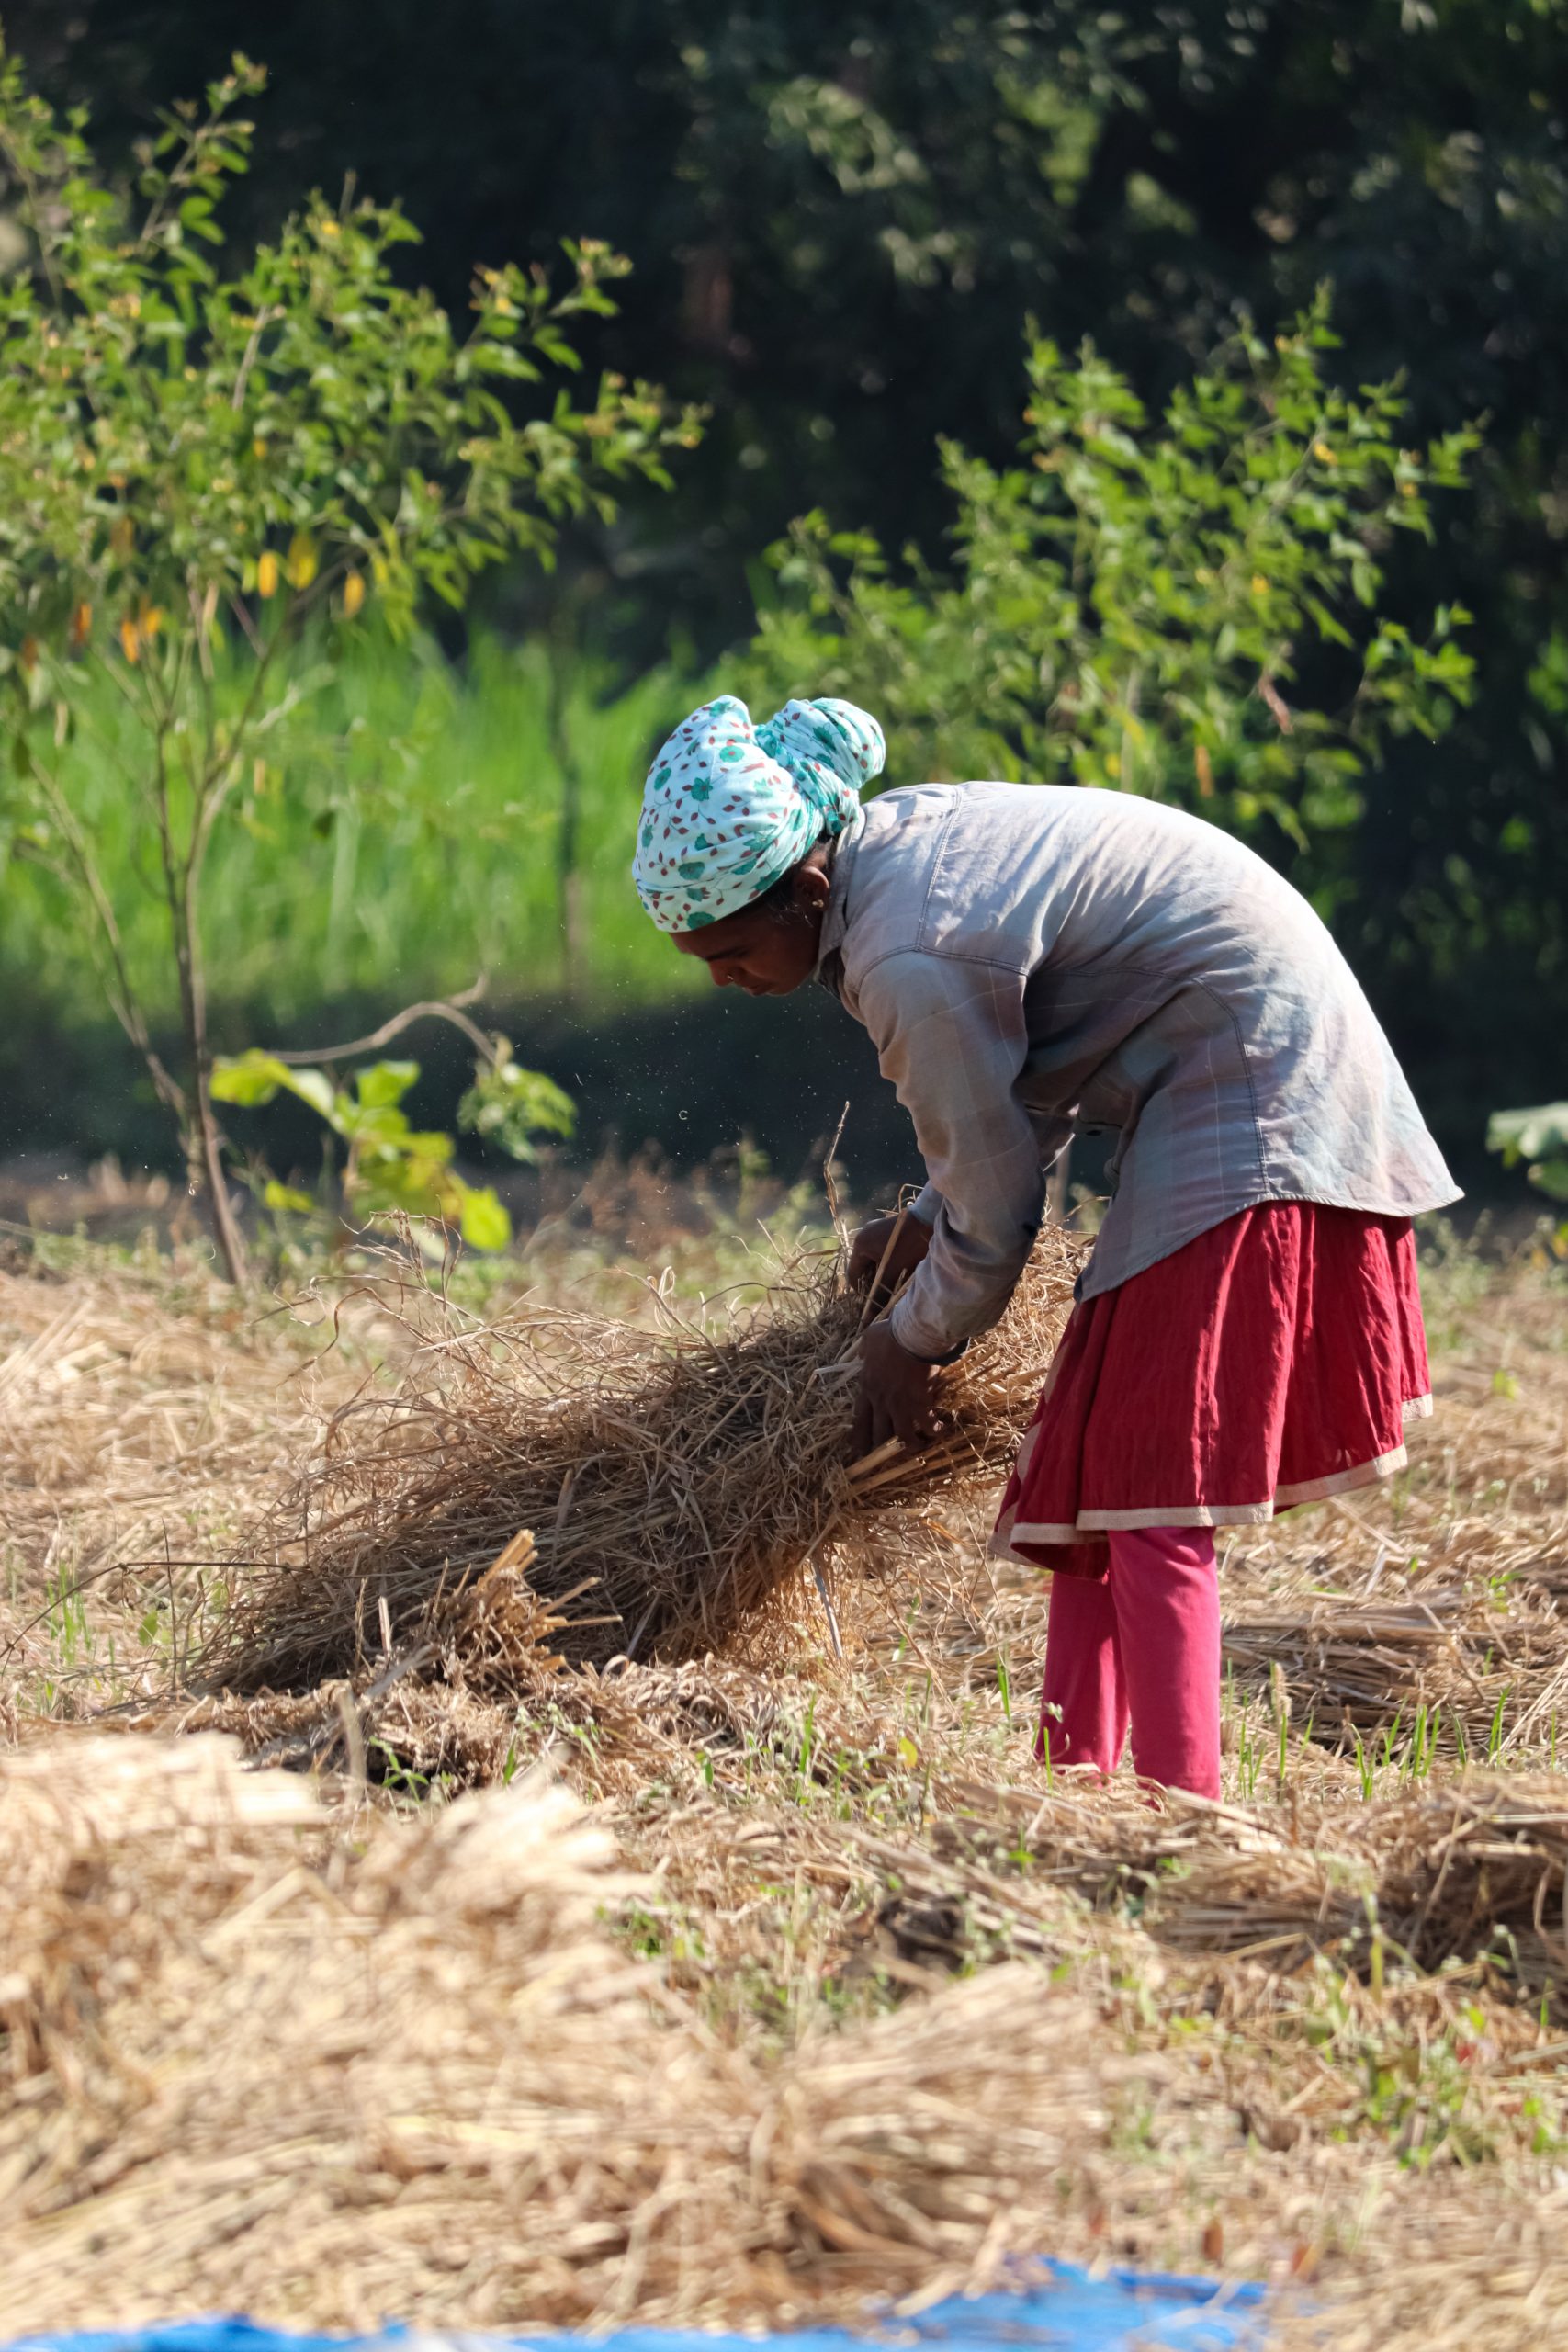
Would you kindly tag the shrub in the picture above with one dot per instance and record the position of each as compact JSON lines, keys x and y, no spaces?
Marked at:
{"x":197,"y":467}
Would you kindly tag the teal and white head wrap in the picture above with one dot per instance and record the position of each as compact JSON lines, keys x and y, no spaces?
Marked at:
{"x":729,"y":807}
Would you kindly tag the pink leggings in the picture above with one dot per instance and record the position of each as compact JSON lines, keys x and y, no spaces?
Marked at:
{"x":1142,"y":1645}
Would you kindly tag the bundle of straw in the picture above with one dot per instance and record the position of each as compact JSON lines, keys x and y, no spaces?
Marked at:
{"x":676,"y":1483}
{"x":1443,"y":1870}
{"x":1490,"y":1678}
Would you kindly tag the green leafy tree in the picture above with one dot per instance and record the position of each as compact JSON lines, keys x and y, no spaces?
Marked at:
{"x":198,"y":469}
{"x":1184,"y":605}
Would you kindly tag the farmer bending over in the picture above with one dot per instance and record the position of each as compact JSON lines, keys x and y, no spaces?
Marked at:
{"x":1035,"y":959}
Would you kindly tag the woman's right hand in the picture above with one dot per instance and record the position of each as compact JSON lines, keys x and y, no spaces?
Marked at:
{"x":866,"y":1251}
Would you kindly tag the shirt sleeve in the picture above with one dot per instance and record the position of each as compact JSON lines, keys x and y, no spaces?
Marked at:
{"x":951,"y":1037}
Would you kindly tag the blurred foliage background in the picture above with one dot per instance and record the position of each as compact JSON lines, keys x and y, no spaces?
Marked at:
{"x":843,"y":222}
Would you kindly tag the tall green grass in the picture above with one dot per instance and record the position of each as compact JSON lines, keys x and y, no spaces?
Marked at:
{"x":406,"y":832}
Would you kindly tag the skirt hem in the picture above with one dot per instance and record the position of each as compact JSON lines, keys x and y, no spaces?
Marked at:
{"x":1093,"y":1526}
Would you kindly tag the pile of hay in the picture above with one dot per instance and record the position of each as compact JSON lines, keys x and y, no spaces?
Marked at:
{"x":329,"y":2070}
{"x":676,"y":1483}
{"x":328,"y":2067}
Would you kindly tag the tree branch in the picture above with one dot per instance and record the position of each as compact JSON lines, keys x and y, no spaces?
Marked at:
{"x":448,"y":1009}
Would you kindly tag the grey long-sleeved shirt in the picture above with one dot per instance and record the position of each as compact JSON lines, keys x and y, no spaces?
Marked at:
{"x":1030,"y":959}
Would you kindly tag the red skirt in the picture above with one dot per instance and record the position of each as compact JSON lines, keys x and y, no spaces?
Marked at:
{"x":1273,"y":1361}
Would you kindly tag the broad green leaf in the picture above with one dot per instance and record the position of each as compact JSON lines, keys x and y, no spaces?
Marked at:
{"x":385,"y":1082}
{"x":248,"y":1079}
{"x":384,"y":1127}
{"x":314,"y":1087}
{"x":483,"y":1221}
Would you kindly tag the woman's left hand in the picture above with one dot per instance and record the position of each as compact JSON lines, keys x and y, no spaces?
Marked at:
{"x":899,"y":1394}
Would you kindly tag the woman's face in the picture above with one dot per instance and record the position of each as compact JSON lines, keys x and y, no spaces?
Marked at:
{"x":766,"y":949}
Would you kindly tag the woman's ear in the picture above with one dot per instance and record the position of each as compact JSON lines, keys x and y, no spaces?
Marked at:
{"x":811,"y":887}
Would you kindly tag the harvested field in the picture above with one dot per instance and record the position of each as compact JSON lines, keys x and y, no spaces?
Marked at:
{"x":826,"y":1990}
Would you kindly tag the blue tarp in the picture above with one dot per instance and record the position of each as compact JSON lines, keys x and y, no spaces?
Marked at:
{"x":1061,"y":2309}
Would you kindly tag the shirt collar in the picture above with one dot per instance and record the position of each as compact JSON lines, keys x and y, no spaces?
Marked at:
{"x":841,"y":870}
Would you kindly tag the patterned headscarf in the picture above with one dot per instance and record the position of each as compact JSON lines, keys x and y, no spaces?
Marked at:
{"x":729,"y":807}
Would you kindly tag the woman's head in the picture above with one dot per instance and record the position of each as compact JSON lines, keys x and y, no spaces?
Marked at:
{"x":770,"y":946}
{"x":731,"y":842}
